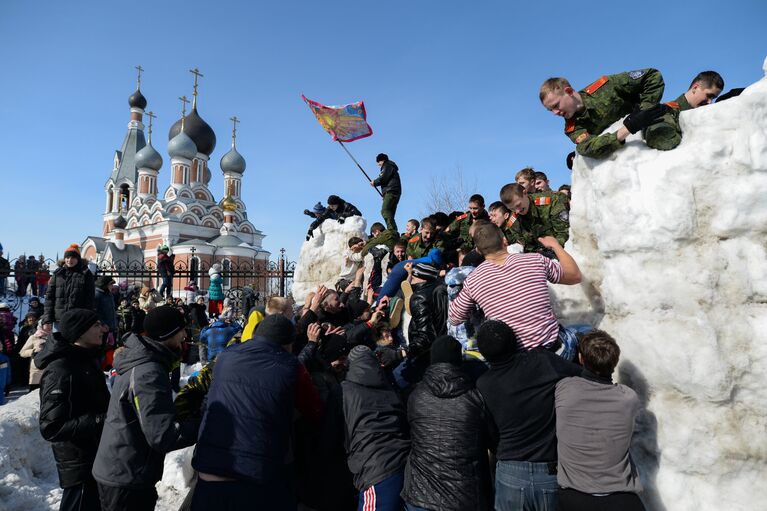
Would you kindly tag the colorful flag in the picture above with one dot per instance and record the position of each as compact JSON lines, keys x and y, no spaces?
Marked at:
{"x":344,"y":123}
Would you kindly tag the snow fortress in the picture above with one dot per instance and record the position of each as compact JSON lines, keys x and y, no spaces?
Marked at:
{"x":672,"y":249}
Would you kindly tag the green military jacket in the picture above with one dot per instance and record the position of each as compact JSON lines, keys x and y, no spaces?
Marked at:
{"x":417,"y":248}
{"x":459,"y":229}
{"x":667,"y":134}
{"x":548,"y":216}
{"x":607,"y":100}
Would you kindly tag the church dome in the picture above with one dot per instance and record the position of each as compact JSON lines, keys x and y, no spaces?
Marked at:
{"x":181,"y":146}
{"x":120,"y":222}
{"x":228,"y":204}
{"x":148,"y":158}
{"x":233,"y":161}
{"x":137,"y":100}
{"x":198,"y":130}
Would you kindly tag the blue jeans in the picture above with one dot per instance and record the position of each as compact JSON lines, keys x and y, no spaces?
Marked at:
{"x":383,"y":496}
{"x":526,"y":486}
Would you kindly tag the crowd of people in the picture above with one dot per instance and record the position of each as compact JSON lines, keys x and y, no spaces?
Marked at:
{"x":433,"y":375}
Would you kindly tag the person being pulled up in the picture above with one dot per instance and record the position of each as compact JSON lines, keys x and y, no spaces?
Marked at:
{"x":338,"y":209}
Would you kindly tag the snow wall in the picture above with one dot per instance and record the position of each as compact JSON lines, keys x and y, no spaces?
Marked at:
{"x":321,"y":257}
{"x":672,"y":249}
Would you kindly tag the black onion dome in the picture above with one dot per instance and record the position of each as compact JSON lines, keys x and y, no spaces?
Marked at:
{"x":120,"y":222}
{"x":198,"y":130}
{"x":137,"y":100}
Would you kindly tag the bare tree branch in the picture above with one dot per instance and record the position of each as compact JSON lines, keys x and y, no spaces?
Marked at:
{"x":449,"y":192}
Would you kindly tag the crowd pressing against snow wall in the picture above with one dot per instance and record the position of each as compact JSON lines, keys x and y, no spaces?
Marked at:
{"x":466,"y":363}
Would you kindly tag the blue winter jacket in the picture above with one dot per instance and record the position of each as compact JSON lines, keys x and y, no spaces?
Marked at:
{"x":246,"y":425}
{"x":217,"y":335}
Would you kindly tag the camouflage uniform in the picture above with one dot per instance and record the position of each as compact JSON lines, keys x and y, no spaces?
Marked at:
{"x":511,"y":231}
{"x":417,"y":248}
{"x":547,"y":216}
{"x":386,"y":237}
{"x":667,"y":134}
{"x":459,"y":229}
{"x":607,"y":100}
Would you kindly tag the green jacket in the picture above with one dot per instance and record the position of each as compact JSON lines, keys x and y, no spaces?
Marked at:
{"x":459,"y":228}
{"x":417,"y":248}
{"x":607,"y":100}
{"x":548,"y":216}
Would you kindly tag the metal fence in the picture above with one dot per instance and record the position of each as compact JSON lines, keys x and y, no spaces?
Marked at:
{"x":245,"y":283}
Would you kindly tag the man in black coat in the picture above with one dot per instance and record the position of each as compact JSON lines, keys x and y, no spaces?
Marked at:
{"x":73,"y":403}
{"x":376,"y":432}
{"x":447,"y":468}
{"x":71,"y":286}
{"x":391,"y":189}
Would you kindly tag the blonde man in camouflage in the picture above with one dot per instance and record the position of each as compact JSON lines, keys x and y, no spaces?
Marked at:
{"x":537,"y":215}
{"x":592,"y":110}
{"x":667,"y":134}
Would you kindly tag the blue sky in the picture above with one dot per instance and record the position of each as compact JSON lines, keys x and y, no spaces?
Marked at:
{"x":446,"y":85}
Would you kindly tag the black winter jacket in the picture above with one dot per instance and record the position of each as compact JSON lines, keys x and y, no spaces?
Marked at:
{"x":140,"y":426}
{"x":428,"y":308}
{"x":344,"y":211}
{"x":69,"y":288}
{"x":73,"y":402}
{"x":376,"y":433}
{"x":447,"y":468}
{"x":388,"y":179}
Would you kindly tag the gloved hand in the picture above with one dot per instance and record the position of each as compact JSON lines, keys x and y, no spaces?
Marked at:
{"x":640,"y":119}
{"x":341,"y":220}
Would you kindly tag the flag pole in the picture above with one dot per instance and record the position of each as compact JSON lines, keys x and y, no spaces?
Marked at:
{"x":359,"y":166}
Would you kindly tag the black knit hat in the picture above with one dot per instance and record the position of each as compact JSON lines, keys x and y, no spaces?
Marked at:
{"x":425,"y":271}
{"x":446,"y":348}
{"x":162,"y":323}
{"x":75,"y":322}
{"x":277,"y":328}
{"x":103,"y":282}
{"x":334,"y":200}
{"x":496,"y":341}
{"x":358,"y":308}
{"x":382,"y":157}
{"x":334,"y":347}
{"x":473,"y":258}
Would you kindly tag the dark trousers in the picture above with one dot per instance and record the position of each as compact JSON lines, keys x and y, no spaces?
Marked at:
{"x":166,"y":289}
{"x":383,"y":496}
{"x":241,"y":496}
{"x":82,"y":497}
{"x":389,"y":209}
{"x":573,"y":500}
{"x":114,"y":498}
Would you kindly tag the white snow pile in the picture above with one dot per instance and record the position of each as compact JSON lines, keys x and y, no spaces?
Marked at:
{"x":672,"y":248}
{"x":28,"y":477}
{"x":321,"y":257}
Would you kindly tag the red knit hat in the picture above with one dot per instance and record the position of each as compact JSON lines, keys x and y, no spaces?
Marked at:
{"x":72,"y":250}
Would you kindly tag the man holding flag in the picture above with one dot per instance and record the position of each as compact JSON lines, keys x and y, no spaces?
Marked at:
{"x":391,"y":188}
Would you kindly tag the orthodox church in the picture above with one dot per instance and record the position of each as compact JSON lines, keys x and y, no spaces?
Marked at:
{"x":199,"y":229}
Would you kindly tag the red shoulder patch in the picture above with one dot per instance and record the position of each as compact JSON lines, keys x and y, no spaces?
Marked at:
{"x":415,"y":239}
{"x":542,"y":201}
{"x":591,"y":89}
{"x":461,"y":217}
{"x":570,"y":126}
{"x":673,"y":104}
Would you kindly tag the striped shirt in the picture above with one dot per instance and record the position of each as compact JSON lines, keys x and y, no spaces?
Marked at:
{"x":516,"y":293}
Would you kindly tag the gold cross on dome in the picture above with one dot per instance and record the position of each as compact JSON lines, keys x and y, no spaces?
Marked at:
{"x":151,"y":116}
{"x":235,"y":122}
{"x":138,"y":82}
{"x":184,"y":101}
{"x":197,"y":74}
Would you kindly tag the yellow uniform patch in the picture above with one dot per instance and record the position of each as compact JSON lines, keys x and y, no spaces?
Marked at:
{"x":582,"y":137}
{"x":542,"y":201}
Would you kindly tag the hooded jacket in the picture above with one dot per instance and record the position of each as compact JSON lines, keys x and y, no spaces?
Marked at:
{"x":140,"y":426}
{"x":69,"y":288}
{"x":73,"y":402}
{"x":447,"y":468}
{"x":388,"y":179}
{"x":376,"y":431}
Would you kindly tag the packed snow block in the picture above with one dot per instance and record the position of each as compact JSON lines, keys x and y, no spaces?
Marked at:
{"x":672,"y":247}
{"x":321,"y":257}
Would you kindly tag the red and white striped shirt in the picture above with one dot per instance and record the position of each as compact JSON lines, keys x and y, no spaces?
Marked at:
{"x":516,"y":293}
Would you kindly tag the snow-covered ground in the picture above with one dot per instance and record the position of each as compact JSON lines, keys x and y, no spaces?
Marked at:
{"x":672,"y":247}
{"x":28,"y":479}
